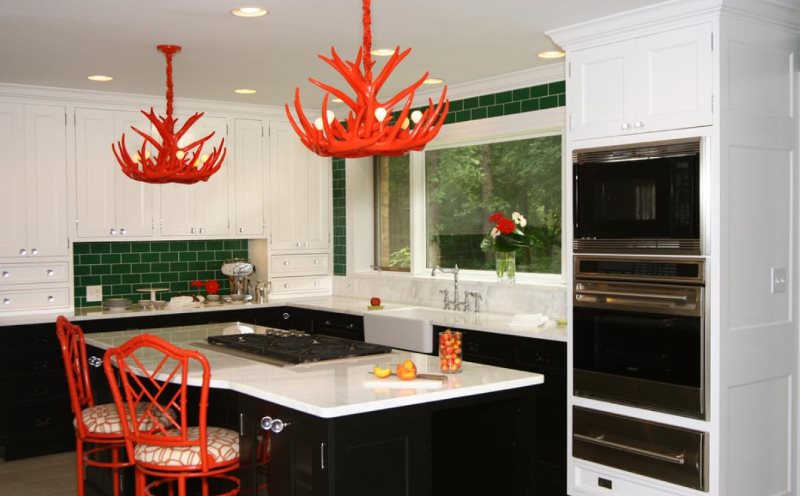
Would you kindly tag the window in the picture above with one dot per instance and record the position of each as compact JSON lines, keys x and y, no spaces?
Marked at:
{"x":392,"y":213}
{"x":433,"y":207}
{"x":466,"y":184}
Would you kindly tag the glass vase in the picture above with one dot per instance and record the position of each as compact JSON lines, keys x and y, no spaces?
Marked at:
{"x":505,"y":265}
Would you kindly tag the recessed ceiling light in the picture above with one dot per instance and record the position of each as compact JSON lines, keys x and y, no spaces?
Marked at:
{"x":433,"y":81}
{"x":244,"y":91}
{"x":337,"y":100}
{"x":382,"y":52}
{"x":100,"y":78}
{"x":249,"y":12}
{"x":550,"y":54}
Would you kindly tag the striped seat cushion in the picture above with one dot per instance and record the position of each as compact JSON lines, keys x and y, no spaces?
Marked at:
{"x":223,"y":446}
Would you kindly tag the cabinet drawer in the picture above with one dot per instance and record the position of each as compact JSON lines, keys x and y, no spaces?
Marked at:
{"x":33,"y":273}
{"x":34,"y":299}
{"x":290,"y":285}
{"x":31,"y":360}
{"x":36,"y":386}
{"x":300,"y":264}
{"x":40,"y":417}
{"x":660,"y":451}
{"x":590,"y":480}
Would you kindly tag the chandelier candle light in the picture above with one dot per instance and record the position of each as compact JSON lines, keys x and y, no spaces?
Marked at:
{"x":368,"y":129}
{"x":171,"y":162}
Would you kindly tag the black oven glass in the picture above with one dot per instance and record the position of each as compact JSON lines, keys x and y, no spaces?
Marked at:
{"x":649,"y":347}
{"x":648,"y":198}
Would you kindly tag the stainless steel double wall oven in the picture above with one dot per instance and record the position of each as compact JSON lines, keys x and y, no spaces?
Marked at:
{"x":639,"y":326}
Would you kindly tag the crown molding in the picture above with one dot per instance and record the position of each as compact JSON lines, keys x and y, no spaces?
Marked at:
{"x":107,"y":99}
{"x":495,"y":84}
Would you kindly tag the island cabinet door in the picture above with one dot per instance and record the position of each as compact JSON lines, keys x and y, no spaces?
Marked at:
{"x":282,"y":451}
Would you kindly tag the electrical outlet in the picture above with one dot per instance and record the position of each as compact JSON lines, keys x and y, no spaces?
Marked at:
{"x":778,"y":280}
{"x":94,"y":293}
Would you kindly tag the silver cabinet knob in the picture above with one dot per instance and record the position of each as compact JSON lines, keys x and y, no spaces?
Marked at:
{"x":51,"y":299}
{"x":285,"y":316}
{"x":123,"y":231}
{"x":50,"y":272}
{"x":305,"y":244}
{"x":113,"y":232}
{"x":286,"y":285}
{"x":191,"y":231}
{"x":638,"y":124}
{"x":34,"y":251}
{"x":6,"y":273}
{"x":316,"y":283}
{"x":274,"y":425}
{"x":95,"y":361}
{"x":625,"y":126}
{"x":285,"y":263}
{"x":316,"y":261}
{"x":23,"y":252}
{"x":201,"y":230}
{"x":241,"y":230}
{"x":299,"y":244}
{"x":6,"y":301}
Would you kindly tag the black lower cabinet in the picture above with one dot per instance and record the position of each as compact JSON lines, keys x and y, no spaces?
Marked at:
{"x":476,"y":445}
{"x":550,"y":425}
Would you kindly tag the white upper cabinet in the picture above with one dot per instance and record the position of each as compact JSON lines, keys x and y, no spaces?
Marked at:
{"x":199,"y":209}
{"x":34,"y":178}
{"x":300,"y":194}
{"x":651,"y":83}
{"x":109,"y":205}
{"x":250,"y":183}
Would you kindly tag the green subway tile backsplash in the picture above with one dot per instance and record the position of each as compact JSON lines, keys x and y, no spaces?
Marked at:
{"x":529,"y":99}
{"x":124,"y":267}
{"x":339,"y":216}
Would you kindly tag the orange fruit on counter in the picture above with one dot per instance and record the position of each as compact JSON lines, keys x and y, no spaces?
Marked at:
{"x":407,"y":370}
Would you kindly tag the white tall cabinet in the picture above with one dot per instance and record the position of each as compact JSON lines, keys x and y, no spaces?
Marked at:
{"x":724,"y":71}
{"x":109,"y":205}
{"x":300,"y":212}
{"x":250,"y":184}
{"x":34,"y":248}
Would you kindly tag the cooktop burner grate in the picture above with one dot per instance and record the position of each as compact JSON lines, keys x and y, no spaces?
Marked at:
{"x":298,"y":348}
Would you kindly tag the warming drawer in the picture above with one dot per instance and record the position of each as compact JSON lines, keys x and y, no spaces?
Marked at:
{"x":660,"y":451}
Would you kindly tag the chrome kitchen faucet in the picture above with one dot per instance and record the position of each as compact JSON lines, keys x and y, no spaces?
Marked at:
{"x":454,"y":304}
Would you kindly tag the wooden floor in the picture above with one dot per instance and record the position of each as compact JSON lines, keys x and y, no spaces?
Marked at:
{"x":51,"y":475}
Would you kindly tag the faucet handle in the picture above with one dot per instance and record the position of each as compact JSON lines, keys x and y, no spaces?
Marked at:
{"x":445,"y":292}
{"x":476,"y":296}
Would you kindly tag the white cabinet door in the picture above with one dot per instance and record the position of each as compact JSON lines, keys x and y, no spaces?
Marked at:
{"x":134,"y":199}
{"x":109,"y":204}
{"x":319,"y":207}
{"x":293,"y":179}
{"x":199,"y":209}
{"x":250,"y":180}
{"x":652,"y":83}
{"x":13,"y":206}
{"x":674,"y":78}
{"x":46,"y":166}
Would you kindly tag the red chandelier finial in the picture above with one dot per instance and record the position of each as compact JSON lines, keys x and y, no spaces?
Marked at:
{"x":171,"y":163}
{"x":368,"y":129}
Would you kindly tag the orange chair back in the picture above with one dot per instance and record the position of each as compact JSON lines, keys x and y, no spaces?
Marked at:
{"x":73,"y":351}
{"x":153,"y":391}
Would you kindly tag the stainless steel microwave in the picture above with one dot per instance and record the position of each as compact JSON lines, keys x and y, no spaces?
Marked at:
{"x":642,"y":199}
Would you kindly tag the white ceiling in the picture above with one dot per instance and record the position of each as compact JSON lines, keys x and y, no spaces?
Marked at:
{"x":58,"y":43}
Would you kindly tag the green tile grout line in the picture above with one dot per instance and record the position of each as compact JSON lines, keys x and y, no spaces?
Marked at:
{"x":528,"y":99}
{"x":123,"y":267}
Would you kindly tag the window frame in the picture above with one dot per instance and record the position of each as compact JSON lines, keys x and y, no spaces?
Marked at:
{"x":534,"y":124}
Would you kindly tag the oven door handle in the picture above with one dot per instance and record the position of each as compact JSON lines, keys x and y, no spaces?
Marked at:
{"x":580,"y":292}
{"x":600,"y":441}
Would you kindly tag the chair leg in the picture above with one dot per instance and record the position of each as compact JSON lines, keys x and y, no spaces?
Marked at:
{"x":140,"y":481}
{"x":79,"y":466}
{"x":115,"y":470}
{"x":204,"y":481}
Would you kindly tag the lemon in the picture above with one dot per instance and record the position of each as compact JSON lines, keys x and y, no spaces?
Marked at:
{"x":381,"y":372}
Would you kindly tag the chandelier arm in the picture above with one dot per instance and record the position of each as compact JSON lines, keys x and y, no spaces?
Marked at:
{"x":200,"y":141}
{"x":438,"y":120}
{"x":406,"y":92}
{"x":390,"y":66}
{"x":335,"y":92}
{"x":148,"y":139}
{"x":300,"y":133}
{"x":189,"y":123}
{"x":351,"y":73}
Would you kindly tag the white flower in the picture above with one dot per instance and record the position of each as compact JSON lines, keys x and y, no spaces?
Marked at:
{"x":519,"y":219}
{"x":495,"y":233}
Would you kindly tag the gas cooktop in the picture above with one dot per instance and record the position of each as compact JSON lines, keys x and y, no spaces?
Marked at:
{"x":282,"y":347}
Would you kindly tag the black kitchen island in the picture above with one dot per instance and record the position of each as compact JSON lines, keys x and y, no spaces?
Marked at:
{"x":325,"y":428}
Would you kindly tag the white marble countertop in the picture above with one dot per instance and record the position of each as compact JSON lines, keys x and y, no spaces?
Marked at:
{"x":327,"y":389}
{"x":483,"y":321}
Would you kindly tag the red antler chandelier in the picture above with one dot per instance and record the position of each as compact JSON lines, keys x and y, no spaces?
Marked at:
{"x":171,"y":162}
{"x":368,"y":129}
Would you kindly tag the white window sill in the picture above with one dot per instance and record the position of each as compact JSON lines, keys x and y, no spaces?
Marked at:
{"x":478,"y":276}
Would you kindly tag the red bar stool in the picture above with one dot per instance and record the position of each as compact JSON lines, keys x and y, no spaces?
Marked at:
{"x":94,"y":424}
{"x":165,"y":448}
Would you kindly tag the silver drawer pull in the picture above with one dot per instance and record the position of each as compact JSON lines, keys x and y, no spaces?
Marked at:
{"x":635,"y":295}
{"x":6,"y":301}
{"x":50,"y":273}
{"x":285,"y":263}
{"x":34,"y":251}
{"x":113,"y":232}
{"x":286,"y":285}
{"x":191,"y":230}
{"x":51,"y":299}
{"x":6,"y":273}
{"x":23,"y":251}
{"x":123,"y":231}
{"x":241,"y":229}
{"x":600,"y":441}
{"x":316,"y":261}
{"x":201,"y":230}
